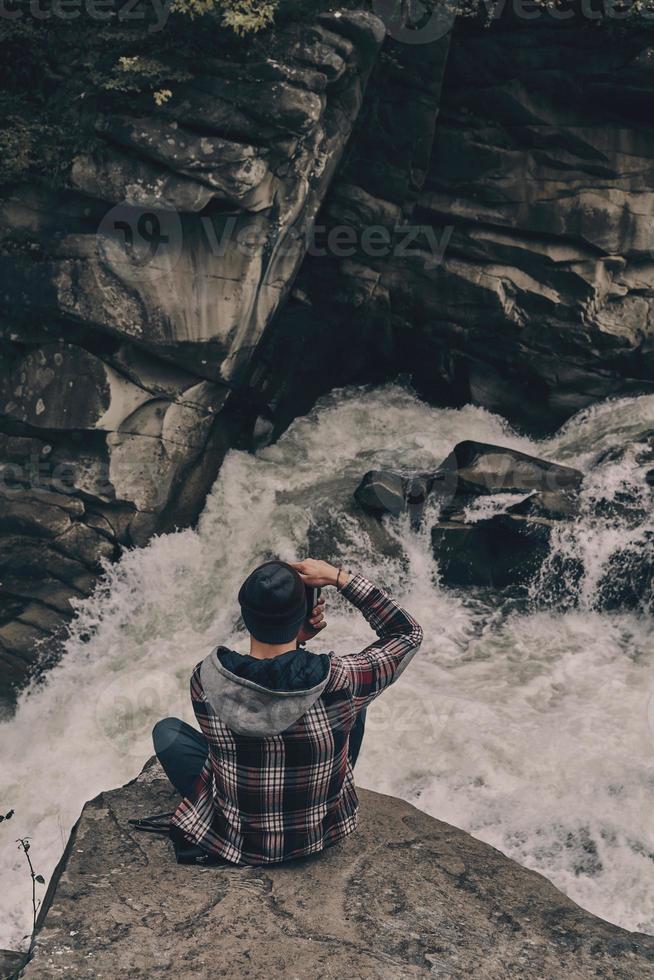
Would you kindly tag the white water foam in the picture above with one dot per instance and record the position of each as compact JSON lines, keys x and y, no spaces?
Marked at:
{"x":530,"y":729}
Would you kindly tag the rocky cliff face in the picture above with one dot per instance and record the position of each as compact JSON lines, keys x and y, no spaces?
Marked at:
{"x":542,"y":167}
{"x":132,"y":303}
{"x":528,"y":287}
{"x":474,"y":211}
{"x":404,"y":896}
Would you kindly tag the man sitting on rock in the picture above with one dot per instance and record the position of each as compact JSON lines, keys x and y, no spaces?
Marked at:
{"x":270,"y":776}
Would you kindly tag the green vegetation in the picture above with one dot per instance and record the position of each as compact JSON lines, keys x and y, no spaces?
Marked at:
{"x":242,"y":16}
{"x":57,"y":75}
{"x":36,"y":879}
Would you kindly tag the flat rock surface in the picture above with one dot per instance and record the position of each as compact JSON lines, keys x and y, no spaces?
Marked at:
{"x":404,"y":896}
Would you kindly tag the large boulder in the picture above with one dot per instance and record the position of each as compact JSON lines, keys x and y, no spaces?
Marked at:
{"x":501,"y":551}
{"x":384,"y":492}
{"x":473,"y":469}
{"x":506,"y":549}
{"x":480,"y":468}
{"x":404,"y":896}
{"x":504,"y":516}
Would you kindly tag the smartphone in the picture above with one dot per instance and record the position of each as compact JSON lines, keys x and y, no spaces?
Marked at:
{"x":313,"y":594}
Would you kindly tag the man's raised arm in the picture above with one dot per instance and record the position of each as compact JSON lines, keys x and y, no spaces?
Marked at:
{"x":398,"y":634}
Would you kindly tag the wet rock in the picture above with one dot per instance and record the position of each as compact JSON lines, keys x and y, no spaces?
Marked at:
{"x":473,"y":469}
{"x":504,"y":550}
{"x":113,"y":444}
{"x":326,"y":529}
{"x":627,"y":581}
{"x":236,"y":173}
{"x":382,"y":492}
{"x":479,"y":468}
{"x":405,"y":895}
{"x":25,"y":644}
{"x":60,"y":386}
{"x":10,"y":962}
{"x":38,"y":512}
{"x":509,"y":548}
{"x":555,"y":504}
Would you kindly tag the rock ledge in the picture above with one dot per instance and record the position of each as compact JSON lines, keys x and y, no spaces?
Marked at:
{"x":405,"y":896}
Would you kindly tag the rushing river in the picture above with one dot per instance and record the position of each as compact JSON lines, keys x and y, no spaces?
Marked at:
{"x":529,"y":725}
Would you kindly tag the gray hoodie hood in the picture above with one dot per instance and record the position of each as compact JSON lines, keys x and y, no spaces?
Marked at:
{"x":260,"y":698}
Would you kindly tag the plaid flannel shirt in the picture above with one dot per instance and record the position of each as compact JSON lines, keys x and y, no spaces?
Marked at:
{"x":264,"y":800}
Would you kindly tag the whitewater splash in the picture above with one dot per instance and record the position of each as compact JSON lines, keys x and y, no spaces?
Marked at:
{"x":530,"y":727}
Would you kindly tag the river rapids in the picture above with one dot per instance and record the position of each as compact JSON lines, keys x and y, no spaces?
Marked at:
{"x":526,"y":720}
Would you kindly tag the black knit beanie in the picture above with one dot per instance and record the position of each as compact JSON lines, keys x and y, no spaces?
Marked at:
{"x":273,"y":602}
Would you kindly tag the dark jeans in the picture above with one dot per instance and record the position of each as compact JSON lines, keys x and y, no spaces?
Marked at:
{"x":182,"y":750}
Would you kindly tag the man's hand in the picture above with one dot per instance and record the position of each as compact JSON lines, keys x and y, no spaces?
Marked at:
{"x":319,"y":573}
{"x":317,"y":621}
